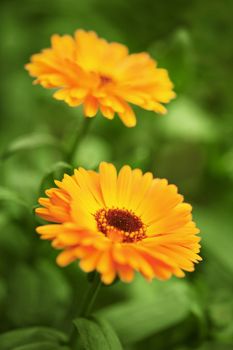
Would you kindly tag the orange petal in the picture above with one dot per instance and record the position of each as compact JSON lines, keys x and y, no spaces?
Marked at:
{"x":128,"y":117}
{"x":91,"y":106}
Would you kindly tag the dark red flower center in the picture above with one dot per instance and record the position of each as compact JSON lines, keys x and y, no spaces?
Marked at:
{"x":121,"y":224}
{"x":123,"y":220}
{"x":105,"y":80}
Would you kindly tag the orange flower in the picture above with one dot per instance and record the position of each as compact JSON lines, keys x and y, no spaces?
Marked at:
{"x":100,"y":75}
{"x":118,"y":224}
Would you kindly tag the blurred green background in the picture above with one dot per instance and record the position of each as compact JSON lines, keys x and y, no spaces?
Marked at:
{"x":192,"y":146}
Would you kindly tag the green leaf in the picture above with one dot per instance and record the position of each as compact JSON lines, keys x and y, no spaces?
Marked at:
{"x":110,"y":335}
{"x":22,"y":337}
{"x":152,"y":308}
{"x":28,"y":142}
{"x":96,"y":334}
{"x":55,"y":172}
{"x":90,"y":334}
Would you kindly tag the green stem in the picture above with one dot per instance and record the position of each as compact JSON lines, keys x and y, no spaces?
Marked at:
{"x":79,"y":136}
{"x":87,"y":304}
{"x":91,"y":296}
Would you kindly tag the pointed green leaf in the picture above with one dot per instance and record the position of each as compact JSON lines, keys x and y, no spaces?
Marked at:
{"x":28,"y":142}
{"x":97,"y":334}
{"x":8,"y":195}
{"x":109,"y":333}
{"x":55,"y":172}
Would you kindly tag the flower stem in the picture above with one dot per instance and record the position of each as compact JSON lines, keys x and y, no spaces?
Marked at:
{"x":91,"y":296}
{"x":78,"y":138}
{"x":87,"y":304}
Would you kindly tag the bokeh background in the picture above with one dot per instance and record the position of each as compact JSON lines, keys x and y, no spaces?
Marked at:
{"x":192,"y":146}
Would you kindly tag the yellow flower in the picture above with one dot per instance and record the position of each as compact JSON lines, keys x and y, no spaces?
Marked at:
{"x":100,"y":75}
{"x":120,"y":223}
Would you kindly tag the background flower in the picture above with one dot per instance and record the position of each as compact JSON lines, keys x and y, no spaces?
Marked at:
{"x":120,"y":223}
{"x":88,"y":70}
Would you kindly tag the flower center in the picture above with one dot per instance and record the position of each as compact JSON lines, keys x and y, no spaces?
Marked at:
{"x":120,"y":225}
{"x":104,"y":80}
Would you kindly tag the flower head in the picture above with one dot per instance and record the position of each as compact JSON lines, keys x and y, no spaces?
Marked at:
{"x":100,"y":75}
{"x":120,"y":223}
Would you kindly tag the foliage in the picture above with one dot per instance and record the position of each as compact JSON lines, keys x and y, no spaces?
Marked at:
{"x":192,"y":146}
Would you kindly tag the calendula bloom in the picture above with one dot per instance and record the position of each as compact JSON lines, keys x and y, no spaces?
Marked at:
{"x":100,"y":75}
{"x":119,"y":224}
